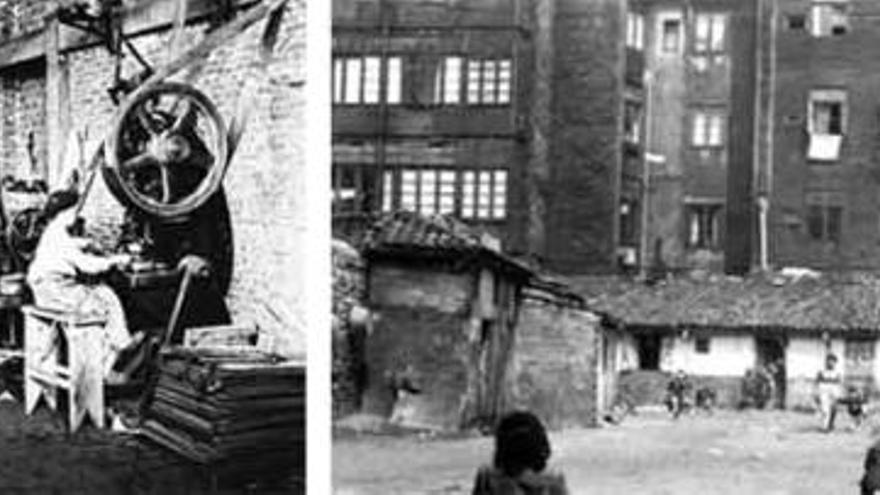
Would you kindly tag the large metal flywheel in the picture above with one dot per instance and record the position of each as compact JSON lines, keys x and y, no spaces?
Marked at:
{"x":167,"y":151}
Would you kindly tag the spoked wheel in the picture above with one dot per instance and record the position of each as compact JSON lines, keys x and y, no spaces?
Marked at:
{"x":167,"y":152}
{"x":23,"y":234}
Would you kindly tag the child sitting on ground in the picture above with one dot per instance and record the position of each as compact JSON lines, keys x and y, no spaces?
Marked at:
{"x":521,"y":453}
{"x":854,"y":400}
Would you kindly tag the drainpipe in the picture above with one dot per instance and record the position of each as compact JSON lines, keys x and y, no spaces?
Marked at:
{"x":646,"y":177}
{"x":763,"y":206}
{"x":648,"y":158}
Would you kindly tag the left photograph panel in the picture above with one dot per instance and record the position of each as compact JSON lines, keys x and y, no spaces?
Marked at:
{"x":155,"y":239}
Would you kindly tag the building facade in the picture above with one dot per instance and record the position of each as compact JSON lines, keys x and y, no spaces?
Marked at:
{"x":505,"y":113}
{"x":824,"y":205}
{"x":702,"y":107}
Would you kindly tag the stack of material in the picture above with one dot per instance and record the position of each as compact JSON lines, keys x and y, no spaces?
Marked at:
{"x":232,"y":406}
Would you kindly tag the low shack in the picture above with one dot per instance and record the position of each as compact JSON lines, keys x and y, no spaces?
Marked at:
{"x":446,"y":301}
{"x":715,"y":328}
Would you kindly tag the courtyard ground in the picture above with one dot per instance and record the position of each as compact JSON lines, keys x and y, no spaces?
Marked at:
{"x":771,"y":453}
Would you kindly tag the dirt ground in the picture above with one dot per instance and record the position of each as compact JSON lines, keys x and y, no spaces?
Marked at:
{"x":37,"y":456}
{"x":771,"y":453}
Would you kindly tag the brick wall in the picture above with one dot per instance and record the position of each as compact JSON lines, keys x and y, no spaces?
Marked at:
{"x":553,"y":369}
{"x":265,"y":182}
{"x":23,"y":111}
{"x":21,"y":17}
{"x":585,"y":143}
{"x":844,"y":62}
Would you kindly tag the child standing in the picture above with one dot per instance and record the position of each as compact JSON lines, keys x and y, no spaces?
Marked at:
{"x":521,"y":453}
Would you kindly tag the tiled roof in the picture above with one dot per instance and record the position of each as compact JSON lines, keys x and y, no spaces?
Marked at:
{"x":403,"y":232}
{"x":834,"y":302}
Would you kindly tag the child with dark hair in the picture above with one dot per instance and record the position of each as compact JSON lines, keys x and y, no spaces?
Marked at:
{"x":521,"y":453}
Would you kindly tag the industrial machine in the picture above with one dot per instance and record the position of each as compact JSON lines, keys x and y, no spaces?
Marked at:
{"x":164,"y":160}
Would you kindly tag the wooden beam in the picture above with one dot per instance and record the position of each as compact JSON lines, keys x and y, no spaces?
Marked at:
{"x":211,"y":42}
{"x":57,"y":103}
{"x":142,"y":18}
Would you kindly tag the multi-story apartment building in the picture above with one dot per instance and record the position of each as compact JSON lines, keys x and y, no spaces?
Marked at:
{"x":824,"y":202}
{"x":506,"y":113}
{"x":747,"y":124}
{"x":703,"y":104}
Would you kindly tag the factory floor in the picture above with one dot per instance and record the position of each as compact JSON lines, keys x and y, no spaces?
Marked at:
{"x":38,"y":456}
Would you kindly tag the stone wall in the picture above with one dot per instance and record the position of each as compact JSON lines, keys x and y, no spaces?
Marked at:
{"x":433,"y":347}
{"x":348,"y":360}
{"x":553,"y":370}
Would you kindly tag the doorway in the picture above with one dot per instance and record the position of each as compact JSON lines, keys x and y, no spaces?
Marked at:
{"x":649,"y":351}
{"x":771,"y":356}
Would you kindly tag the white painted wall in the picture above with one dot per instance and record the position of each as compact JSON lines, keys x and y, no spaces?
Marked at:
{"x":729,"y":355}
{"x":805,"y":356}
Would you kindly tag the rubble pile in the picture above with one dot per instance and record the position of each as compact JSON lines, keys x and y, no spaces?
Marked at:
{"x":348,"y":293}
{"x":241,"y":408}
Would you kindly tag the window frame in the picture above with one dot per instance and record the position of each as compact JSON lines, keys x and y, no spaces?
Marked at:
{"x":638,"y":121}
{"x":825,"y":203}
{"x":364,"y":202}
{"x":635,"y":30}
{"x":706,"y":347}
{"x":385,"y":92}
{"x":815,"y":14}
{"x":495,"y":203}
{"x":665,"y":47}
{"x":700,"y":136}
{"x":708,"y":218}
{"x":441,"y":79}
{"x":499,"y":97}
{"x":711,"y":44}
{"x":829,"y":95}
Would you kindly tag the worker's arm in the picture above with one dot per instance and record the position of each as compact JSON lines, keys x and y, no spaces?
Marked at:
{"x":91,"y":264}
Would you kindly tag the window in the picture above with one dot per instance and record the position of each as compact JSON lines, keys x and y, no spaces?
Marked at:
{"x":702,"y":345}
{"x":628,"y":218}
{"x":484,"y":194}
{"x":468,"y":194}
{"x":829,"y":18}
{"x":635,"y":31}
{"x":632,"y":122}
{"x":393,"y":74}
{"x":671,"y":35}
{"x":447,"y":83}
{"x":826,"y":124}
{"x":703,"y":226}
{"x":708,"y":128}
{"x":649,"y":347}
{"x":824,"y":217}
{"x":796,"y":22}
{"x":354,"y":188}
{"x":709,"y":33}
{"x":489,"y":81}
{"x":357,"y":80}
{"x":827,"y":112}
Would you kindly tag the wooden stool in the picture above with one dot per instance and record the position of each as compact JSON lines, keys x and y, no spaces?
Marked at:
{"x":75,"y":368}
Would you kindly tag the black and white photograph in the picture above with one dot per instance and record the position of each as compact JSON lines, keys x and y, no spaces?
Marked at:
{"x":605,"y":246}
{"x":155,"y":231}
